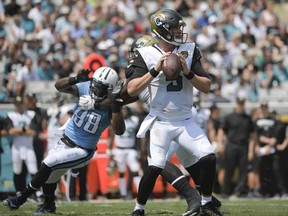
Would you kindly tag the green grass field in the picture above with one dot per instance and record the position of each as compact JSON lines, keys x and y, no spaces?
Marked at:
{"x":157,"y":207}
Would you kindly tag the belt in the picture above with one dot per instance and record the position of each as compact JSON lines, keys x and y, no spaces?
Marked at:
{"x":68,"y":142}
{"x":125,"y":147}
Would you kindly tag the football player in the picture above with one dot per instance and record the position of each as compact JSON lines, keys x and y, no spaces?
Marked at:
{"x":125,"y":153}
{"x":19,"y":125}
{"x":78,"y":144}
{"x":170,"y":109}
{"x":171,"y":173}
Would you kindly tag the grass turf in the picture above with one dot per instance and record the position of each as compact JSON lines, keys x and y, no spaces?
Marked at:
{"x":168,"y":207}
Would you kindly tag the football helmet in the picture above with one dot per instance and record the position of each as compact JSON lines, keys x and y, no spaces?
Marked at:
{"x":168,"y":25}
{"x":143,"y":41}
{"x":103,"y":78}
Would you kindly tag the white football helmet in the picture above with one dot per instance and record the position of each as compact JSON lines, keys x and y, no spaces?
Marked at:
{"x":103,"y":78}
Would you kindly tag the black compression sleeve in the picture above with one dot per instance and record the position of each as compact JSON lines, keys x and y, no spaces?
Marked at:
{"x":198,"y":69}
{"x":171,"y":172}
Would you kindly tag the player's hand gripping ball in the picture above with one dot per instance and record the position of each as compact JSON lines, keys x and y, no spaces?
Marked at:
{"x":172,"y":66}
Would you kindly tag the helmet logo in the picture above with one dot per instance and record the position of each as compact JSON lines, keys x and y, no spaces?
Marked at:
{"x":158,"y":19}
{"x":142,"y":43}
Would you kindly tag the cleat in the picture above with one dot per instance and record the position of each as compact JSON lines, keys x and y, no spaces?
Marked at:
{"x":15,"y":202}
{"x":138,"y":212}
{"x":45,"y":209}
{"x":192,"y":210}
{"x":209,"y":209}
{"x":217,"y":203}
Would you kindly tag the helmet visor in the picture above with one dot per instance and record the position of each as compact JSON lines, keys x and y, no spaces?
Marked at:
{"x":98,"y":90}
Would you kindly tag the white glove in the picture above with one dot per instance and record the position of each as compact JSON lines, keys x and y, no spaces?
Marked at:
{"x":86,"y":102}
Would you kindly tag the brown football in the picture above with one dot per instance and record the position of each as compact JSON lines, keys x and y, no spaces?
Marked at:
{"x":172,"y":66}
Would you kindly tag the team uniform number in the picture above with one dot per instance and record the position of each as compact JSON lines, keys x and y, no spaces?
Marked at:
{"x":175,"y":85}
{"x":88,"y":120}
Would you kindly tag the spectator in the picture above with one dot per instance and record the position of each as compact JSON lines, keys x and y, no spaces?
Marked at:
{"x":76,"y":31}
{"x":13,"y":63}
{"x":15,"y":30}
{"x":48,"y":6}
{"x":183,"y":7}
{"x":25,"y":74}
{"x":45,"y":71}
{"x":248,"y":38}
{"x":12,"y":8}
{"x":267,"y":17}
{"x":202,"y":20}
{"x":62,"y":22}
{"x":27,"y":23}
{"x":36,"y":15}
{"x":268,"y":79}
{"x":280,"y":70}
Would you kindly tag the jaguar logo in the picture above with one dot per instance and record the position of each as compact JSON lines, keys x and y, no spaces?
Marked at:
{"x":158,"y":19}
{"x":184,"y":54}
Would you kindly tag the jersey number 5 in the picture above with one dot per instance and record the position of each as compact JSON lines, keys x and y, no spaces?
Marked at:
{"x":175,"y":85}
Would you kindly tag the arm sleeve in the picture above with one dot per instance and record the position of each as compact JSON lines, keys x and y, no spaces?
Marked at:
{"x":139,"y":66}
{"x":129,"y":71}
{"x":196,"y":65}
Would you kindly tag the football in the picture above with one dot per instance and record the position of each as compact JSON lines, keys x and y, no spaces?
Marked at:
{"x":172,"y":66}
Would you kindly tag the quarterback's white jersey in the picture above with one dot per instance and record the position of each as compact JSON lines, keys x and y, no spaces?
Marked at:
{"x":170,"y":117}
{"x":171,"y":100}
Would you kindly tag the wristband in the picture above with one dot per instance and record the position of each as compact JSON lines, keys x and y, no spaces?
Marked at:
{"x":72,"y":80}
{"x":190,"y":75}
{"x":115,"y":108}
{"x":153,"y":72}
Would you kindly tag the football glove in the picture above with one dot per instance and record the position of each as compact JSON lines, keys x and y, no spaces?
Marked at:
{"x":86,"y":102}
{"x":114,"y":96}
{"x":83,"y":75}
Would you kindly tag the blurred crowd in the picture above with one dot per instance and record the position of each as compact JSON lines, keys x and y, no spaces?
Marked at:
{"x":244,"y":43}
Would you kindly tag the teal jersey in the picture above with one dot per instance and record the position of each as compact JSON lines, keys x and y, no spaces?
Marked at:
{"x":86,"y":126}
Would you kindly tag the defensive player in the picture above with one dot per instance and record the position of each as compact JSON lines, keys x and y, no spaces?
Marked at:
{"x":78,"y":144}
{"x":170,"y":109}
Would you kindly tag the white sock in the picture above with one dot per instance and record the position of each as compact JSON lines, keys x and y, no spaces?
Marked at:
{"x":205,"y":200}
{"x":122,"y":187}
{"x":138,"y":206}
{"x":136,"y":181}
